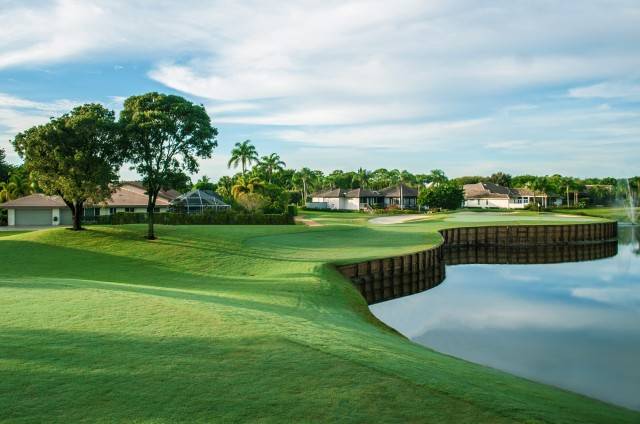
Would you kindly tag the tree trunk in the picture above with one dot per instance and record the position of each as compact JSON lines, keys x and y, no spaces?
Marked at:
{"x":151,"y":205}
{"x":304,"y":192}
{"x":568,"y":196}
{"x":77,"y":216}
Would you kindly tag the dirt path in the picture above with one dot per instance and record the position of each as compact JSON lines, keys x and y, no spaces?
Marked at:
{"x":307,"y":222}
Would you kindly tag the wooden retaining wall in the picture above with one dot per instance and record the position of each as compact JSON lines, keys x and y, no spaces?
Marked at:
{"x":388,"y":278}
{"x":530,"y":234}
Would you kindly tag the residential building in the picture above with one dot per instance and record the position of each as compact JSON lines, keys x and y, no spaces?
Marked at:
{"x":489,"y":195}
{"x":360,"y":198}
{"x":41,"y":210}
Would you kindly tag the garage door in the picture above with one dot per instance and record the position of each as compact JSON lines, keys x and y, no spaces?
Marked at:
{"x":66,"y":217}
{"x":33,"y":216}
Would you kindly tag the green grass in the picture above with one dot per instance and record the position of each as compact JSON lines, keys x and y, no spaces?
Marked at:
{"x":235,"y":323}
{"x":10,"y":233}
{"x":616,"y":214}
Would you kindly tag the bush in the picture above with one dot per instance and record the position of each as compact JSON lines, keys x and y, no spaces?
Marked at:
{"x":446,"y":195}
{"x":292,"y":210}
{"x":4,"y":218}
{"x":208,"y":218}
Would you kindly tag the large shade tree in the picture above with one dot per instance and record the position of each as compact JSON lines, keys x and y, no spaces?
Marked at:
{"x":165,"y":134}
{"x":76,"y":156}
{"x":243,"y":154}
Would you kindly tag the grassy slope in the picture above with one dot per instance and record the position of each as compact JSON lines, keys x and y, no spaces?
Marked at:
{"x":233,"y":323}
{"x":617,"y":214}
{"x":10,"y":233}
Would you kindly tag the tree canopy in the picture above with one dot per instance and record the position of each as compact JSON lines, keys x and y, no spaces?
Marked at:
{"x":165,"y":136}
{"x":76,"y":156}
{"x":444,"y":195}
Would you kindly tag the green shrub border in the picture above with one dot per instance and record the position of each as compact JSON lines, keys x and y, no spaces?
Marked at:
{"x":218,"y":218}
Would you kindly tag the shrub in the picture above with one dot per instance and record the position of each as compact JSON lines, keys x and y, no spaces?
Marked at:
{"x":446,"y":195}
{"x":292,"y":210}
{"x":252,"y":202}
{"x":207,"y":218}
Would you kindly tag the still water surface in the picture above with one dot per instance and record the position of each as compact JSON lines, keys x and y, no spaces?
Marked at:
{"x":572,"y":325}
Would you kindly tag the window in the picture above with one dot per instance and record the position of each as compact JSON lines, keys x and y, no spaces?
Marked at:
{"x":130,"y":210}
{"x":91,"y":211}
{"x":112,"y":211}
{"x":156,"y":210}
{"x":526,"y":200}
{"x":486,"y":202}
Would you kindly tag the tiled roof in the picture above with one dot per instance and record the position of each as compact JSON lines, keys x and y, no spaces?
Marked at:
{"x":361,"y":192}
{"x":395,"y":191}
{"x":129,"y":194}
{"x":495,"y":191}
{"x":167,"y":194}
{"x":36,"y":200}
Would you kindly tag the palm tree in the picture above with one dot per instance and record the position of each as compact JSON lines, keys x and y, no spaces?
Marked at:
{"x":244,"y":154}
{"x":272,"y":164}
{"x":363,"y":176}
{"x":8,"y":191}
{"x":246,"y":185}
{"x":17,"y":186}
{"x":306,"y":177}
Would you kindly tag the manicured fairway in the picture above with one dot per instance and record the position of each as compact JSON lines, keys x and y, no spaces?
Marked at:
{"x":234,"y":323}
{"x":10,"y":233}
{"x":618,"y":214}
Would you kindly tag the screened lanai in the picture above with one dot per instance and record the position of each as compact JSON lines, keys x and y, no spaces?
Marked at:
{"x":198,"y":201}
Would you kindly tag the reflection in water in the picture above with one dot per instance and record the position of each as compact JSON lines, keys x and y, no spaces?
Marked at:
{"x":574,"y":325}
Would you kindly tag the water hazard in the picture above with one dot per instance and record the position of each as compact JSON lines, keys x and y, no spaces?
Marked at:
{"x":567,"y":316}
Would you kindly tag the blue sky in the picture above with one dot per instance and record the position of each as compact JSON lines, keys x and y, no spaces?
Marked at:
{"x":470,"y":87}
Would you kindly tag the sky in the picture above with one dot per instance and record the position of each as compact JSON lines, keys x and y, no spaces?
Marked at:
{"x":468,"y":87}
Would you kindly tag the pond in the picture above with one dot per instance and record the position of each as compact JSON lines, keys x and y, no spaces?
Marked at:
{"x":574,"y":325}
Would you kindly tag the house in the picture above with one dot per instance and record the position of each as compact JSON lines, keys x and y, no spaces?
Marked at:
{"x":489,"y":195}
{"x":41,"y":210}
{"x":361,"y":198}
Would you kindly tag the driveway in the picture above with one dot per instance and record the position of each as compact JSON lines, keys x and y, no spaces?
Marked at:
{"x":397,"y":219}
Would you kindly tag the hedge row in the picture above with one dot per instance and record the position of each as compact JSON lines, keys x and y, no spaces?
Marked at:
{"x":219,"y":218}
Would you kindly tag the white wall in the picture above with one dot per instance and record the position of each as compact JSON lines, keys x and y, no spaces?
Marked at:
{"x":339,"y":203}
{"x":490,"y":203}
{"x":11,"y":217}
{"x":352,"y":204}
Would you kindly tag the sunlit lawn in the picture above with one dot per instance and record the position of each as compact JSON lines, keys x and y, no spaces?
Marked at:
{"x":234,"y":323}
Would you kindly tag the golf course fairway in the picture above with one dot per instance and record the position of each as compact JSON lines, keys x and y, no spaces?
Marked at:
{"x":238,"y":324}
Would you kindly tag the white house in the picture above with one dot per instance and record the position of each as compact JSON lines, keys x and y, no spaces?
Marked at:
{"x":489,"y":195}
{"x":360,"y":198}
{"x":41,"y":210}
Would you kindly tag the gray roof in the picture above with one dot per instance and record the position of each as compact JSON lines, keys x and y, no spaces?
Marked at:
{"x":395,"y":191}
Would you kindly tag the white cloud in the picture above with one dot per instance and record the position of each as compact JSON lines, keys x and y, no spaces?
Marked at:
{"x":400,"y":137}
{"x":477,"y":83}
{"x":607,"y":90}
